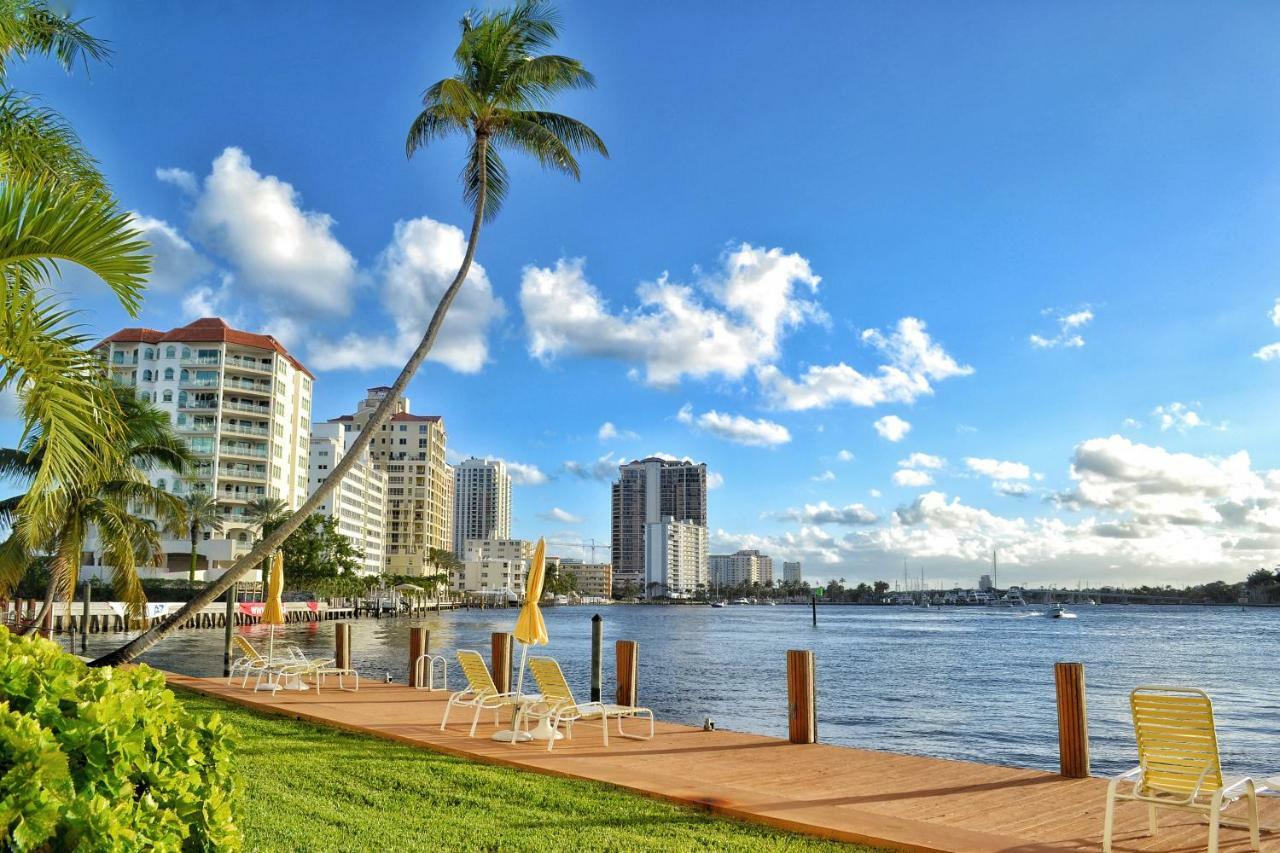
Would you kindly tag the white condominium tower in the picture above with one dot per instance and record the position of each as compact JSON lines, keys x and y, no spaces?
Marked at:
{"x":649,"y":491}
{"x":410,"y":449}
{"x":481,"y":502}
{"x":243,"y":404}
{"x":359,"y":503}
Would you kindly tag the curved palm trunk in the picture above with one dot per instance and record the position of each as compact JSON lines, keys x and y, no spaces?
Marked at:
{"x":31,"y":629}
{"x":191,"y":571}
{"x":381,"y":415}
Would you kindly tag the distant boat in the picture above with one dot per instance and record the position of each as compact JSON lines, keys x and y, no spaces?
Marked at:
{"x":1059,"y":611}
{"x":717,"y":604}
{"x":741,"y":601}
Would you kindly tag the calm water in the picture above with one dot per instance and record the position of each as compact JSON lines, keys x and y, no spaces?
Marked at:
{"x":957,"y":683}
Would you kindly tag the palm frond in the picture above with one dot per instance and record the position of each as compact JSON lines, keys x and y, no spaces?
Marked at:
{"x":487,"y":170}
{"x":533,"y":81}
{"x":37,"y":144}
{"x":30,"y":27}
{"x":574,"y":134}
{"x":537,"y":141}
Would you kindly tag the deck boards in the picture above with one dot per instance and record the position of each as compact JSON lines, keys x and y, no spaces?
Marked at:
{"x":898,"y":801}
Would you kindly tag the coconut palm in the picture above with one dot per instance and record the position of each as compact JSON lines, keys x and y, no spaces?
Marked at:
{"x":495,"y":101}
{"x":118,"y":506}
{"x":200,"y":512}
{"x":262,"y":513}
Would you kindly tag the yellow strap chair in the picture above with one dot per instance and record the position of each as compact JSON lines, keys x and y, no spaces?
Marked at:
{"x":480,"y":693}
{"x":1178,"y":763}
{"x":558,"y":705}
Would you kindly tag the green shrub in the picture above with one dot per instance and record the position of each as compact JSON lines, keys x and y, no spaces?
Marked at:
{"x":107,"y":759}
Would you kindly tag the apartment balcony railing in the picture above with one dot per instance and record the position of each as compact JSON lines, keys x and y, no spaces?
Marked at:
{"x":260,"y":411}
{"x":242,"y":473}
{"x":201,"y":360}
{"x":198,"y":383}
{"x":253,"y":387}
{"x":202,"y":405}
{"x":240,"y":429}
{"x":242,"y":495}
{"x":244,"y":450}
{"x":239,"y":363}
{"x":197,"y":428}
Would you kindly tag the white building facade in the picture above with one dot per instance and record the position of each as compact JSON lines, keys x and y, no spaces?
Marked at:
{"x":359,"y":503}
{"x":791,"y":572}
{"x":742,"y":567}
{"x":675,"y":558}
{"x":481,"y":502}
{"x":242,"y":403}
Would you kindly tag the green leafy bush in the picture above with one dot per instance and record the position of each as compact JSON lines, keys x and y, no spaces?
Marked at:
{"x":107,"y":759}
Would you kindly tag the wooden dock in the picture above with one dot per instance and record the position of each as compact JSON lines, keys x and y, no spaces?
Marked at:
{"x":884,"y":799}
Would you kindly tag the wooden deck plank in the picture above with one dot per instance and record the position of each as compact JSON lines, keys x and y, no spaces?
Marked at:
{"x":887,"y":799}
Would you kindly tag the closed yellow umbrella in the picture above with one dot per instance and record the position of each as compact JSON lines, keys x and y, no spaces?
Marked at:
{"x":273,"y":612}
{"x":530,"y":629}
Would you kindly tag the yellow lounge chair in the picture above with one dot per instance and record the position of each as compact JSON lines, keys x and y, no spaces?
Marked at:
{"x":558,"y":705}
{"x":252,"y":661}
{"x":480,"y":693}
{"x":1178,"y":763}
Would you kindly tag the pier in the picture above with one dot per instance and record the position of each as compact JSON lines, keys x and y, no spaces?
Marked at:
{"x":901,"y":802}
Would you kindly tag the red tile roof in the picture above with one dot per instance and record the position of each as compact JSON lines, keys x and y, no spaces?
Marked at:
{"x":205,"y":330}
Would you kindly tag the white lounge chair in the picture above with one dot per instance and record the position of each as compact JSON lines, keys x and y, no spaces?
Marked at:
{"x":1178,"y":763}
{"x":558,"y":706}
{"x":480,"y":693}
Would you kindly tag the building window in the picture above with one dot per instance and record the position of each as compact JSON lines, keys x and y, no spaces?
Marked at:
{"x":186,"y":352}
{"x":146,"y":376}
{"x":170,"y":352}
{"x":149,"y":354}
{"x":168,"y":374}
{"x":168,"y":398}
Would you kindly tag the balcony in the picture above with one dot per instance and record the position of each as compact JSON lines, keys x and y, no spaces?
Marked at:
{"x":243,"y":472}
{"x":251,"y":387}
{"x":235,"y":362}
{"x":247,"y":450}
{"x":236,"y":406}
{"x":241,"y":429}
{"x":241,"y":495}
{"x":204,"y":428}
{"x":199,"y":405}
{"x":201,"y":361}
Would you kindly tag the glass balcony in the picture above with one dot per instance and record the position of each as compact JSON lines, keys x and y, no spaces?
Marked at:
{"x":244,"y":429}
{"x":243,"y":450}
{"x":242,"y":472}
{"x":236,"y":362}
{"x":251,"y":387}
{"x":236,"y":406}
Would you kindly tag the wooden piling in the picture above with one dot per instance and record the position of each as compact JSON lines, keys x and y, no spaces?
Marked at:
{"x":627,"y":655}
{"x":342,"y":645}
{"x":802,"y":706}
{"x":597,"y":656}
{"x":1073,"y":729}
{"x":500,"y":660}
{"x":419,"y":644}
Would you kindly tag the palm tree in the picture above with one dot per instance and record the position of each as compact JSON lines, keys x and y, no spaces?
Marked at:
{"x":200,"y":512}
{"x":116,"y":505}
{"x":262,"y":513}
{"x":494,"y":101}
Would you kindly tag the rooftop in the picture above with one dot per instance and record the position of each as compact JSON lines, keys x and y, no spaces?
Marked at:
{"x":205,"y":330}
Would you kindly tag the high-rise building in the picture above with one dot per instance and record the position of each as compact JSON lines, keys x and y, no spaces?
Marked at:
{"x":410,"y":449}
{"x":481,"y":501}
{"x":493,"y":548}
{"x":745,"y":566}
{"x":242,"y":403}
{"x":646,"y":492}
{"x":791,"y":572}
{"x":593,"y":579}
{"x":675,"y":558}
{"x":359,"y":503}
{"x":984,"y":583}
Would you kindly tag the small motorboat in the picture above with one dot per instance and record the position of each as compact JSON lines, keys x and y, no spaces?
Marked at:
{"x":1059,"y":611}
{"x":717,"y":604}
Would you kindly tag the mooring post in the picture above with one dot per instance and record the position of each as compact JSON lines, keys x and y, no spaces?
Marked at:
{"x":802,"y":706}
{"x":1073,"y":729}
{"x":84,"y":617}
{"x":627,"y":654}
{"x":500,"y":660}
{"x":597,"y":656}
{"x":419,"y":643}
{"x":227,"y":630}
{"x":813,"y":602}
{"x":342,"y":645}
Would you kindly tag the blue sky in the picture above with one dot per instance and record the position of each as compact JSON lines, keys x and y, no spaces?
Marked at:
{"x":815,"y":217}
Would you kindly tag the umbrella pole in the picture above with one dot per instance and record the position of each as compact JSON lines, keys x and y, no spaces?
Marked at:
{"x":524,"y":652}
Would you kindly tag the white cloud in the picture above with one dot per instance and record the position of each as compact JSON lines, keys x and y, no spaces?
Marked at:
{"x":892,"y":428}
{"x":922,"y":460}
{"x":1068,"y":335}
{"x":824,"y":477}
{"x":1179,"y":416}
{"x":1275,"y":313}
{"x":176,"y":265}
{"x":180,"y":178}
{"x":557,"y":514}
{"x":605,"y":468}
{"x":1131,"y":423}
{"x":415,"y":270}
{"x":1271,"y":352}
{"x":525,"y":475}
{"x":724,"y":325}
{"x":279,"y":249}
{"x":915,"y":362}
{"x":715,"y":480}
{"x":912,"y":478}
{"x":824,"y":513}
{"x":736,"y":428}
{"x":1010,"y":488}
{"x":997,"y":469}
{"x":608,"y":431}
{"x":875,"y":493}
{"x":845,"y":456}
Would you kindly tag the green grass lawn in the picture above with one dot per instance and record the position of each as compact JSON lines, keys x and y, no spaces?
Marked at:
{"x":316,"y":788}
